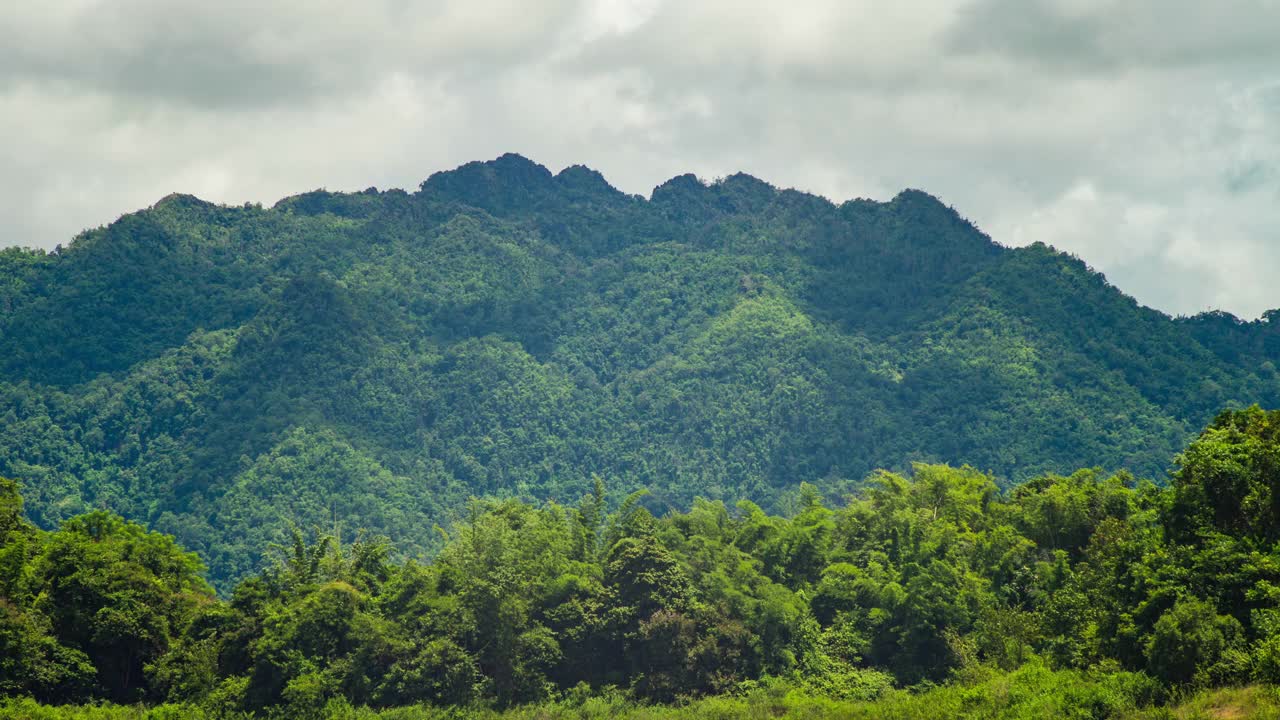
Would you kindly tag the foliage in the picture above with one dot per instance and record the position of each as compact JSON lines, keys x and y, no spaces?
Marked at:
{"x":365,"y":360}
{"x":1028,"y":694}
{"x":1114,"y":592}
{"x":311,"y":397}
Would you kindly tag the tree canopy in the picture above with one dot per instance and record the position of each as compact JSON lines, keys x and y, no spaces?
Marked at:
{"x":931,"y":576}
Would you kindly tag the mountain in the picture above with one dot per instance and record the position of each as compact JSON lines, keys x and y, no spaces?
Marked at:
{"x":369,"y":360}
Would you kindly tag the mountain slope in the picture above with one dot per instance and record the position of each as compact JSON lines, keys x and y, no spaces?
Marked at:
{"x":374,"y":358}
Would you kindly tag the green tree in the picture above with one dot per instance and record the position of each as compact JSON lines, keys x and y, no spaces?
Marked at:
{"x":118,"y":594}
{"x":1189,"y":639}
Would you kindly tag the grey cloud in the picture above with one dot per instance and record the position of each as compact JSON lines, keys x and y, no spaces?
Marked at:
{"x":238,"y":54}
{"x":1111,"y":35}
{"x":739,"y":46}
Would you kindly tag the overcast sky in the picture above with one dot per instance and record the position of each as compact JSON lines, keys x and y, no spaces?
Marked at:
{"x":1141,"y":135}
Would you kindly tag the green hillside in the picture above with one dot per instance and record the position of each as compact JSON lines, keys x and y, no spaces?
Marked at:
{"x":370,"y":360}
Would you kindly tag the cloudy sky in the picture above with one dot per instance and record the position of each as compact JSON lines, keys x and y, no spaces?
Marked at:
{"x":1141,"y":135}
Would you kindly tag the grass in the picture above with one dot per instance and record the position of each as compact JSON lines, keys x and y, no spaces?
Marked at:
{"x":1032,"y":692}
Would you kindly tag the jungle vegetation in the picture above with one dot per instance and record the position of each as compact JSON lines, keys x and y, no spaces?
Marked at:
{"x":520,"y":445}
{"x":371,"y":360}
{"x":923,"y":594}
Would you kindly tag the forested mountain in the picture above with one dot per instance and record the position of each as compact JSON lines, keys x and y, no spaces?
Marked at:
{"x":370,"y":360}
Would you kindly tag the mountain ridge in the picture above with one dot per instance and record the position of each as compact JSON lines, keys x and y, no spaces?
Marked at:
{"x":508,"y":330}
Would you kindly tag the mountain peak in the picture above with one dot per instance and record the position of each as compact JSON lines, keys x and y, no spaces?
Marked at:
{"x":584,"y":179}
{"x":745,"y":180}
{"x":515,"y":164}
{"x":680,"y":186}
{"x":919,"y":202}
{"x":741,"y":192}
{"x":500,"y":185}
{"x":182,"y":201}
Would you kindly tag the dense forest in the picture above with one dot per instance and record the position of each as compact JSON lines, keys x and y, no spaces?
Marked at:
{"x":369,"y":361}
{"x":1088,"y":595}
